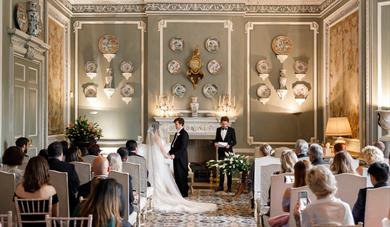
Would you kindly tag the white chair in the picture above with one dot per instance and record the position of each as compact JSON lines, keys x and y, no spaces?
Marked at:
{"x":8,"y":186}
{"x":60,"y":182}
{"x":89,"y":158}
{"x":355,"y":163}
{"x":123,"y":179}
{"x":83,"y":170}
{"x":358,"y":225}
{"x":32,"y":211}
{"x":67,"y":222}
{"x":294,"y":200}
{"x":278,"y":186}
{"x":377,"y":206}
{"x":141,"y":161}
{"x":6,"y":219}
{"x":345,"y":191}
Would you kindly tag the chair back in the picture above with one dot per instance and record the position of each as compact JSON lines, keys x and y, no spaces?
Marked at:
{"x":60,"y":182}
{"x":133,"y":169}
{"x":8,"y":186}
{"x":330,"y":225}
{"x":6,"y":219}
{"x":32,"y":211}
{"x":377,"y":206}
{"x":278,"y":186}
{"x":89,"y":158}
{"x":266,"y":172}
{"x":294,"y":200}
{"x":347,"y":193}
{"x":83,"y":170}
{"x":68,"y":222}
{"x":259,"y":162}
{"x":355,"y":163}
{"x":123,"y":179}
{"x":141,"y":161}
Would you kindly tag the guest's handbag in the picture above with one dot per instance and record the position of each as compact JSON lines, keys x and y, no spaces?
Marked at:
{"x":279,"y":221}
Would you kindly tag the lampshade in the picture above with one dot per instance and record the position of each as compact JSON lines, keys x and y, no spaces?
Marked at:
{"x":338,"y":126}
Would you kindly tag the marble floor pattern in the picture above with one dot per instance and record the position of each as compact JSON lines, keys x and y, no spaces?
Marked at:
{"x":231,"y":212}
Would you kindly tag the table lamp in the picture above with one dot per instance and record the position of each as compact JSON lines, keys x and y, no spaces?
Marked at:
{"x":338,"y":126}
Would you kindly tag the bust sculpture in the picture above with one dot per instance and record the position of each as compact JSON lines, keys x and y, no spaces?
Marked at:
{"x":194,"y":72}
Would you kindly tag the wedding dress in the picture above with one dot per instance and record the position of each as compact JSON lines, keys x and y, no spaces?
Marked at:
{"x":166,"y":195}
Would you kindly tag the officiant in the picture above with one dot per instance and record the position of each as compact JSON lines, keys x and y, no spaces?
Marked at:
{"x":225,"y":139}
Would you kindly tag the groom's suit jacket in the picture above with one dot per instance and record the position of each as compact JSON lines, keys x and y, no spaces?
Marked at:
{"x":179,"y":147}
{"x":230,"y":138}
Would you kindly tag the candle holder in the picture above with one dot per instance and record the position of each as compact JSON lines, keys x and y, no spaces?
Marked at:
{"x":226,"y":106}
{"x":165,"y":106}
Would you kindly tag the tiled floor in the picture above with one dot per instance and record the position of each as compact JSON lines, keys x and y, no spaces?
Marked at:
{"x":231,"y":212}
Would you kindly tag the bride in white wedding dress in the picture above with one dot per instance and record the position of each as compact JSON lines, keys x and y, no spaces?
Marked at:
{"x":166,"y":195}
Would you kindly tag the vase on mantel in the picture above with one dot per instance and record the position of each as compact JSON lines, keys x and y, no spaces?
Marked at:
{"x":194,"y":106}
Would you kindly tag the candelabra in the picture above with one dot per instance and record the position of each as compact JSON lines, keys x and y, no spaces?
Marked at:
{"x":165,"y":106}
{"x":225,"y":106}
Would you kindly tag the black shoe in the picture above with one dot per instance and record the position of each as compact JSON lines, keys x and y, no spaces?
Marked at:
{"x":219,"y":189}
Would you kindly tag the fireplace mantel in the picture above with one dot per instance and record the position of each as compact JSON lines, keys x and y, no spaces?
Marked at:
{"x":197,"y":127}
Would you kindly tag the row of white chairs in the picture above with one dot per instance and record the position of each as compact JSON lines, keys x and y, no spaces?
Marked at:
{"x":348,"y":188}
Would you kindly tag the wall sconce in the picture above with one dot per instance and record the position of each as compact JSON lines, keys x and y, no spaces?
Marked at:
{"x":91,"y":69}
{"x":225,"y":106}
{"x":165,"y":106}
{"x":301,"y":91}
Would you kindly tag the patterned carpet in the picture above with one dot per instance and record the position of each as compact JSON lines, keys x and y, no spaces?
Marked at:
{"x":231,"y":212}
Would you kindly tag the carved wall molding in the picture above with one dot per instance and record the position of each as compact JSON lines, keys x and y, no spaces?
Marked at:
{"x":27,"y":45}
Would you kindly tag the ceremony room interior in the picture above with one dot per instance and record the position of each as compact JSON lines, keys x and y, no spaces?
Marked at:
{"x":195,"y":113}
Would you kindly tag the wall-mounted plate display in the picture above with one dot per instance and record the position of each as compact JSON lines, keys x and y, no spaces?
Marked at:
{"x":174,"y":66}
{"x":21,"y":17}
{"x":90,"y":67}
{"x":90,"y":91}
{"x":213,"y":66}
{"x":263,"y":93}
{"x":108,"y":44}
{"x":300,"y":67}
{"x":179,"y":90}
{"x":301,"y":90}
{"x":212,"y":45}
{"x":176,"y":44}
{"x":210,"y":90}
{"x":282,"y":45}
{"x":127,"y":90}
{"x":127,"y":68}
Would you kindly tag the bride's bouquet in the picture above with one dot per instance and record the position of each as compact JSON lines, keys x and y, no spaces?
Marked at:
{"x":233,"y":163}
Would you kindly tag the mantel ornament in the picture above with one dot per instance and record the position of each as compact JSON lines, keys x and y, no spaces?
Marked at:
{"x":194,"y":72}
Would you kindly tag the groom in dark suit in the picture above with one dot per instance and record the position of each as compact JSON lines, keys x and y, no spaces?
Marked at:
{"x":227,"y":135}
{"x":179,"y":155}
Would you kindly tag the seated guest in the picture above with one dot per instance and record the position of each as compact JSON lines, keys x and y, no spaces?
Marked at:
{"x":371,"y":154}
{"x":100,"y":169}
{"x":379,"y":144}
{"x":124,"y":153}
{"x":315,"y":155}
{"x":379,"y":174}
{"x":301,"y":148}
{"x":12,"y":159}
{"x":327,"y":209}
{"x":94,"y":149}
{"x":266,"y":150}
{"x":36,"y":184}
{"x":115,"y":163}
{"x":342,"y":163}
{"x":132,"y":147}
{"x":287,"y":161}
{"x":73,"y":154}
{"x":339,"y":147}
{"x":106,"y":204}
{"x":22,"y":143}
{"x":56,"y":162}
{"x":65,"y":147}
{"x":43,"y":153}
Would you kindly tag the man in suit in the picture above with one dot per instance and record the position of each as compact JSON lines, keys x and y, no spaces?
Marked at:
{"x":379,"y":174}
{"x":132,"y":147}
{"x":179,"y":155}
{"x":55,"y":159}
{"x":224,"y":134}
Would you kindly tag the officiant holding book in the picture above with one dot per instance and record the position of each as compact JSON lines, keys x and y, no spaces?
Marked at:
{"x":225,"y":139}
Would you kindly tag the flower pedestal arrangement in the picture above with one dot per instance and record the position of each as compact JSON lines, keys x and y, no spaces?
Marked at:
{"x":233,"y":164}
{"x":83,"y":133}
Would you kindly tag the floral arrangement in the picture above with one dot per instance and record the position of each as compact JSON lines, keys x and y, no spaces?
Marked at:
{"x":83,"y":131}
{"x":233,"y":163}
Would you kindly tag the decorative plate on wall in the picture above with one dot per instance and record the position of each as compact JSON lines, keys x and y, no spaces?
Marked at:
{"x":263,"y":91}
{"x":90,"y":67}
{"x":212,"y":45}
{"x":174,"y":66}
{"x":176,"y":44}
{"x":108,"y":44}
{"x":127,"y":90}
{"x":90,"y":91}
{"x":126,"y":67}
{"x":179,"y":90}
{"x":210,"y":90}
{"x":300,"y":67}
{"x":263,"y":66}
{"x":301,"y":90}
{"x":213,"y":66}
{"x":282,"y":45}
{"x":21,"y":17}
